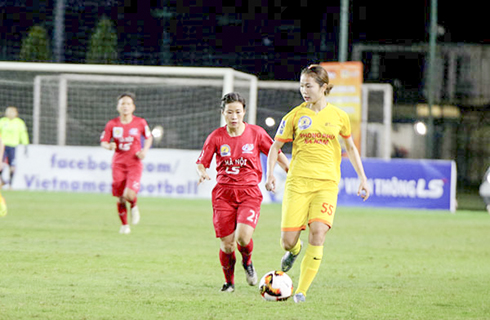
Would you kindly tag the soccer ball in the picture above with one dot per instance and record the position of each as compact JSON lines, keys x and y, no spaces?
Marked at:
{"x":276,"y":286}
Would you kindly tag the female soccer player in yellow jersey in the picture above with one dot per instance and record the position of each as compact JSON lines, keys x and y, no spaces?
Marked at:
{"x":310,"y":195}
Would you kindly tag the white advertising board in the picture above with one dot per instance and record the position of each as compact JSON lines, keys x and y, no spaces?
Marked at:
{"x":167,"y":172}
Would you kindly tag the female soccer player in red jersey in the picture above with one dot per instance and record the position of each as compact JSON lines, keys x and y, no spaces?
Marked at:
{"x":310,"y":196}
{"x":123,"y":134}
{"x":236,"y":197}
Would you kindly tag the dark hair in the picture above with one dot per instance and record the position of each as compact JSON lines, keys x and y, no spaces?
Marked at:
{"x":127,"y":94}
{"x":320,"y":75}
{"x":232,"y":97}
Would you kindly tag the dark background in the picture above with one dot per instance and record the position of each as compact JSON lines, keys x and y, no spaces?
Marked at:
{"x":271,"y":39}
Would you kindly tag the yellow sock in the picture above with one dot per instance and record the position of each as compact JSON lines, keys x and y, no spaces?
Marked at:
{"x":296,"y":249}
{"x":3,"y":206}
{"x":309,"y":267}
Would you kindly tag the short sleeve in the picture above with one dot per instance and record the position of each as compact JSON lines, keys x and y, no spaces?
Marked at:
{"x":285,"y":131}
{"x":107,"y":133}
{"x":345,"y":130}
{"x":146,"y":131}
{"x":207,"y":152}
{"x":265,"y":141}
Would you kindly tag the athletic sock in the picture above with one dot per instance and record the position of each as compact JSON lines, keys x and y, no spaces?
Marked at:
{"x":227,"y":261}
{"x":296,"y":249}
{"x":309,"y":267}
{"x":11,"y":178}
{"x":133,"y":203}
{"x":123,"y":212}
{"x":246,"y":252}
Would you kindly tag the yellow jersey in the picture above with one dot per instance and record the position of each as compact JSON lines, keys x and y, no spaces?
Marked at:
{"x":316,"y":148}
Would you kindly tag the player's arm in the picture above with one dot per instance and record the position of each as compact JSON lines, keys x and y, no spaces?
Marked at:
{"x":201,"y":171}
{"x":108,"y":145}
{"x":355,"y":159}
{"x":272,"y":159}
{"x":283,"y":161}
{"x":24,"y":136}
{"x":146,"y":146}
{"x":2,"y":148}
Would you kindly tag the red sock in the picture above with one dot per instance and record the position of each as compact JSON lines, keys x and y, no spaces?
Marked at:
{"x":228,"y":264}
{"x":246,"y":252}
{"x":133,"y":203}
{"x":123,"y":212}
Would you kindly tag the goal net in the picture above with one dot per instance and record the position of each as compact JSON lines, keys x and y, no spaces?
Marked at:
{"x":70,"y":104}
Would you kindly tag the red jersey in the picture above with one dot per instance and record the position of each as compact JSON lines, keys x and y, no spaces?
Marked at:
{"x":127,"y":138}
{"x":237,"y":158}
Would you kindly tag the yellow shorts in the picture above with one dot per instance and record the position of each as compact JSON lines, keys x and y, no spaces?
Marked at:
{"x":307,"y":200}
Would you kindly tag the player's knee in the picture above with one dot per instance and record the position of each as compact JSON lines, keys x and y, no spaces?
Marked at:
{"x":227,"y":247}
{"x":243,"y":240}
{"x":288,"y":244}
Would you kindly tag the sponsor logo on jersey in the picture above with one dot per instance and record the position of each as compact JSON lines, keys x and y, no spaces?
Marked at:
{"x":248,"y":148}
{"x":133,"y":131}
{"x":225,"y":150}
{"x":117,"y":132}
{"x":281,"y":128}
{"x":304,"y":122}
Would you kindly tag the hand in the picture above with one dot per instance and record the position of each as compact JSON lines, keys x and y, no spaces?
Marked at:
{"x":141,"y":154}
{"x":112,"y":146}
{"x":270,"y":184}
{"x":203,"y":176}
{"x":363,"y":190}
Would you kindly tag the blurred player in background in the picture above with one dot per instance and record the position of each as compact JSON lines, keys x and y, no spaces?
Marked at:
{"x":236,"y":198}
{"x":123,"y":134}
{"x":310,"y":196}
{"x":14,"y":132}
{"x":3,"y":204}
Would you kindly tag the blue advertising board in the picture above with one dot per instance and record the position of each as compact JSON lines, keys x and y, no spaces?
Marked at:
{"x":396,"y":183}
{"x":401,"y":183}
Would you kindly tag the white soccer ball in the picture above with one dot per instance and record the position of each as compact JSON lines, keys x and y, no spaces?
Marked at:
{"x":276,"y":286}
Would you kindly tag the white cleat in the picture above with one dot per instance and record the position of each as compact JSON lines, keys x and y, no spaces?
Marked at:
{"x":135,"y":215}
{"x":299,"y":298}
{"x":125,"y":229}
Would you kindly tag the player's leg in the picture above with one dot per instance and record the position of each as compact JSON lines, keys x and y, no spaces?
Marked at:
{"x":295,"y":206}
{"x":5,"y":162}
{"x":245,"y":245}
{"x":312,"y":259}
{"x":3,"y":206}
{"x":131,"y":196}
{"x":248,"y":216}
{"x":11,"y":162}
{"x":322,"y":213}
{"x":118,"y":186}
{"x":224,"y":222}
{"x":227,"y":259}
{"x":131,"y":192}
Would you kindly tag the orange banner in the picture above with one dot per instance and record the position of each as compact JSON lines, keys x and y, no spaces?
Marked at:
{"x":347,"y":78}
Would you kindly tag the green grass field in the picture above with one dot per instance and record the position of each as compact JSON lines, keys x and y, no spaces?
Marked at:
{"x":61,"y":257}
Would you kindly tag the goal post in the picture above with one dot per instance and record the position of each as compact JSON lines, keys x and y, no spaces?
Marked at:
{"x":162,"y":94}
{"x":376,"y":123}
{"x":376,"y":118}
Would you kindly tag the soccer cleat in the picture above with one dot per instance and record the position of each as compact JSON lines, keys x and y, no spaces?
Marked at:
{"x":250,"y":274}
{"x":288,"y":259}
{"x":135,"y":215}
{"x":228,"y":287}
{"x":299,"y":297}
{"x":125,"y":229}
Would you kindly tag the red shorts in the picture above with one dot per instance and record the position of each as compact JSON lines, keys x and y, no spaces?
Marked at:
{"x":126,"y":176}
{"x":233,"y":205}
